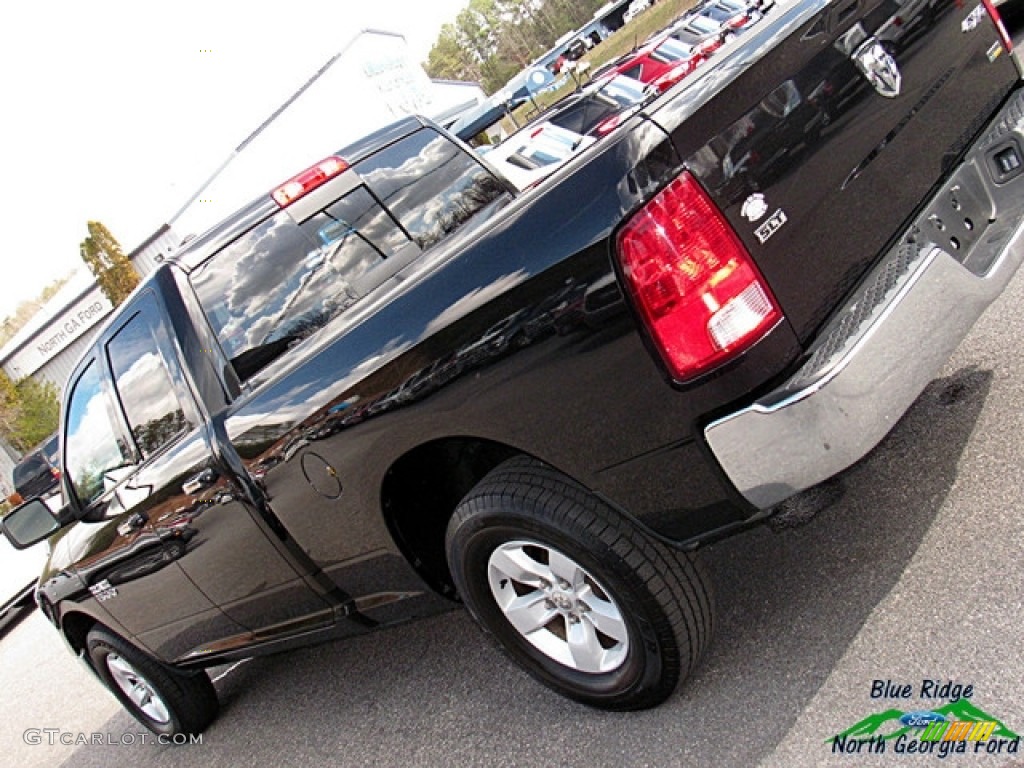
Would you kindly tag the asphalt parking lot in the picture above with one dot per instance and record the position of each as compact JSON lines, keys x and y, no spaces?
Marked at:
{"x":914,"y":574}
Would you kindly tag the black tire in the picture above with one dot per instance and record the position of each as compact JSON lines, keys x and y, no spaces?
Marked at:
{"x":172,"y":702}
{"x":655,"y":602}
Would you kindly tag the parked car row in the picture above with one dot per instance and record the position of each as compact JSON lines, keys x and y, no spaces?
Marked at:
{"x":619,"y":88}
{"x":708,"y":26}
{"x":635,"y":9}
{"x":534,"y":152}
{"x":660,"y":63}
{"x":676,"y":51}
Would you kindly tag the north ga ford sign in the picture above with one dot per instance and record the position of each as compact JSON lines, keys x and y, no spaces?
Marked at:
{"x":71,"y":325}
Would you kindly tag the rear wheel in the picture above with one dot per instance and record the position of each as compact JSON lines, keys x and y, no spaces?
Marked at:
{"x":573,"y":591}
{"x":165,"y":700}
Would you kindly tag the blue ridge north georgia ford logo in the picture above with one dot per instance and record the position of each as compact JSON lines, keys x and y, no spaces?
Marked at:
{"x":955,"y":727}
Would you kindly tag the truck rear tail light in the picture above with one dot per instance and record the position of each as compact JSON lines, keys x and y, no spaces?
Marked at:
{"x":694,"y":284}
{"x":1004,"y":36}
{"x":311,"y":178}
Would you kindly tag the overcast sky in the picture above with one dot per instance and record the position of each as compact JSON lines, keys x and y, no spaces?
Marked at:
{"x":117,"y":111}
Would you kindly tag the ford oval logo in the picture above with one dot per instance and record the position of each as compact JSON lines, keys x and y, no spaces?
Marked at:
{"x":921,"y":719}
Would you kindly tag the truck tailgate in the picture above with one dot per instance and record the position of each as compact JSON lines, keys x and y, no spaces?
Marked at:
{"x":825,"y":148}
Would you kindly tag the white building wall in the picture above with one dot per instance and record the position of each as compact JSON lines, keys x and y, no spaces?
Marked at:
{"x":156,"y":250}
{"x":52,"y":342}
{"x":373,"y":82}
{"x":58,"y":370}
{"x":452,"y":98}
{"x":7,"y":462}
{"x":75,"y":320}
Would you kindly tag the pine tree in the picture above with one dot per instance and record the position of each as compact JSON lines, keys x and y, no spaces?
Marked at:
{"x":40,"y":411}
{"x":10,"y":407}
{"x":115,"y":275}
{"x":28,"y":411}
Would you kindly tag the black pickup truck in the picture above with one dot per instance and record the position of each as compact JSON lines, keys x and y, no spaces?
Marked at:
{"x":396,"y":382}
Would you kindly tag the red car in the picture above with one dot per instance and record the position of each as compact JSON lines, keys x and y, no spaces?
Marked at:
{"x":661,"y":63}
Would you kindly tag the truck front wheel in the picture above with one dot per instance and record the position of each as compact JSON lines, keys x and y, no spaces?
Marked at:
{"x":167,"y":701}
{"x":583,"y":600}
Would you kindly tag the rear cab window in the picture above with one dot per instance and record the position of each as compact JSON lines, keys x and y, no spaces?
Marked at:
{"x":291,"y":274}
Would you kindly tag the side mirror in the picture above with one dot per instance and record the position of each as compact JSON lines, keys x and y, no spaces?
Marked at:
{"x":29,"y":524}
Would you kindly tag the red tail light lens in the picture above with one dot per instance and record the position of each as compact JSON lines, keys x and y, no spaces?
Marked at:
{"x":1004,"y":36}
{"x":311,"y":178}
{"x":693,"y":282}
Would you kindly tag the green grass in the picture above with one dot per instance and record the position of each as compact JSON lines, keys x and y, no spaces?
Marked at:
{"x":619,"y":42}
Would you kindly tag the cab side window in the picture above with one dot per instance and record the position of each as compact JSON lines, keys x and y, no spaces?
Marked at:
{"x":143,"y":383}
{"x":92,"y":448}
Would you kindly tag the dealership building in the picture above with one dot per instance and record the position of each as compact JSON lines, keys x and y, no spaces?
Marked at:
{"x":371,"y":81}
{"x":48,"y":346}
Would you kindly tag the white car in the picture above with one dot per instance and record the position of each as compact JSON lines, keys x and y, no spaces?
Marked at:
{"x":20,"y":569}
{"x":19,"y":572}
{"x":530,"y":155}
{"x":635,"y":9}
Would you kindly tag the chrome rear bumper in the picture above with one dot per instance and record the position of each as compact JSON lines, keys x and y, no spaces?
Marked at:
{"x":893,"y":335}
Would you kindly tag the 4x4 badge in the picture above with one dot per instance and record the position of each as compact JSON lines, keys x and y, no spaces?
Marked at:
{"x":879,"y":68}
